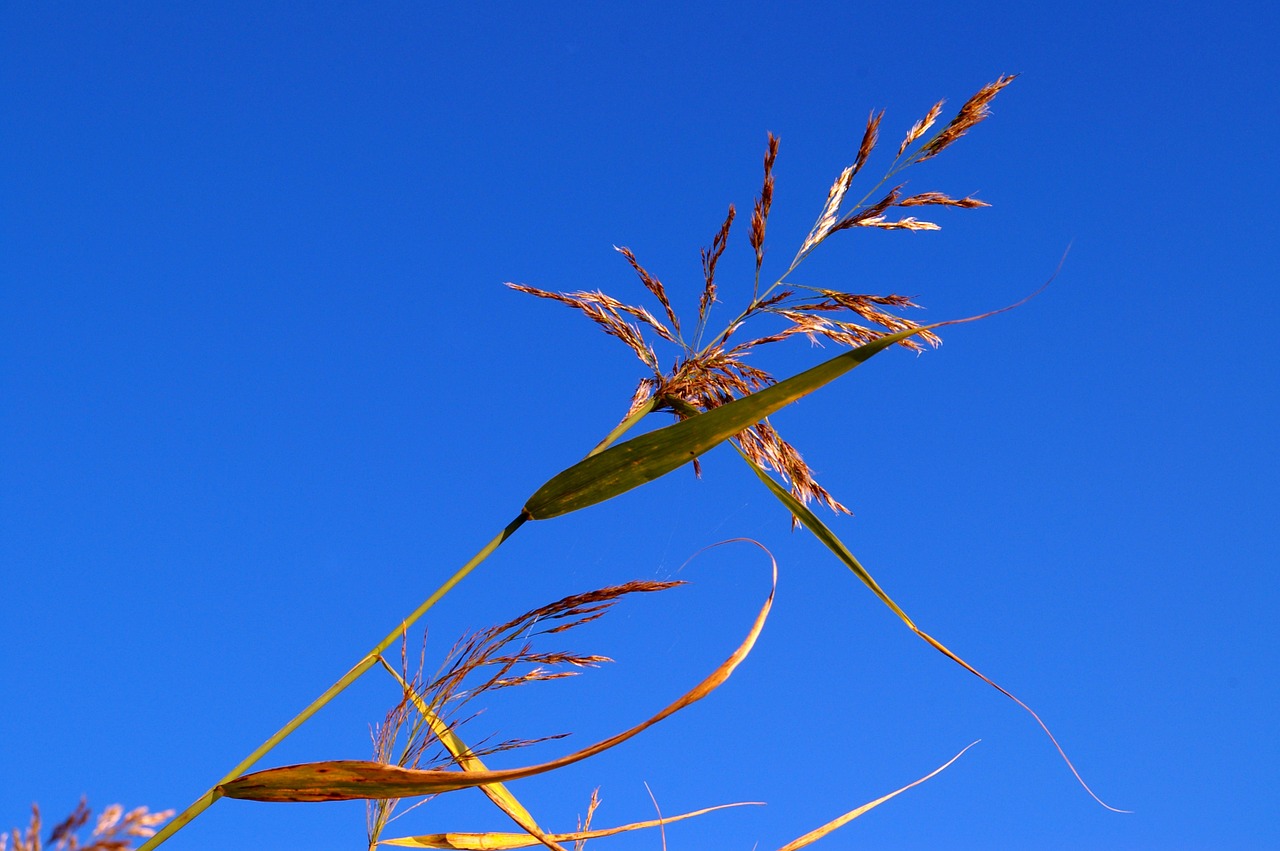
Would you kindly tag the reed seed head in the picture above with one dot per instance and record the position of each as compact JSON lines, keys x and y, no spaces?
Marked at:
{"x":706,"y":375}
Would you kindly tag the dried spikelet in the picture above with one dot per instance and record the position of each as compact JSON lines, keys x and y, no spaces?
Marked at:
{"x":652,"y":284}
{"x":804,"y":323}
{"x":928,"y":198}
{"x":907,"y":223}
{"x":974,"y":111}
{"x":604,"y":311}
{"x":711,"y":256}
{"x":617,"y":308}
{"x":624,"y":331}
{"x":644,"y":391}
{"x":28,"y":842}
{"x":745,"y":348}
{"x":857,"y":218}
{"x":113,"y":831}
{"x":63,"y":833}
{"x":921,"y":127}
{"x":868,"y":307}
{"x":706,"y":378}
{"x":835,"y":197}
{"x":584,"y":824}
{"x":869,"y":138}
{"x":143,"y":823}
{"x":760,"y":215}
{"x":763,"y":445}
{"x":110,"y":818}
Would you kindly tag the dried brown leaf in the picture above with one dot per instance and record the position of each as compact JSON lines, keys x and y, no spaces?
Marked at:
{"x":340,"y":780}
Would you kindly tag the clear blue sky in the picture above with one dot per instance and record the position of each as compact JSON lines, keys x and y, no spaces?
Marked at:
{"x":261,"y":388}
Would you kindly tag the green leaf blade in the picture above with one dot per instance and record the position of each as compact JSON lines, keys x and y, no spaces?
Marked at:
{"x":651,"y":456}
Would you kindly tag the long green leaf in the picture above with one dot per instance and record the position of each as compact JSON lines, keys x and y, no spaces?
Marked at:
{"x":824,"y":534}
{"x":833,"y":543}
{"x":650,"y":456}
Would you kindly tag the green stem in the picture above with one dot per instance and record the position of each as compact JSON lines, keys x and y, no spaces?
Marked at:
{"x":370,"y":659}
{"x":622,"y":427}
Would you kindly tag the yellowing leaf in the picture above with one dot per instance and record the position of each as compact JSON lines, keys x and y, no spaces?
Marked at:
{"x":345,"y":780}
{"x":835,"y":824}
{"x":496,"y":792}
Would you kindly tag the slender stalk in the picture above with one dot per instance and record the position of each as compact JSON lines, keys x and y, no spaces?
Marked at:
{"x":625,"y":425}
{"x":368,"y":661}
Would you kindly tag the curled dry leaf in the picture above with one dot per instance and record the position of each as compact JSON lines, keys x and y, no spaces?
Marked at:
{"x":345,"y":780}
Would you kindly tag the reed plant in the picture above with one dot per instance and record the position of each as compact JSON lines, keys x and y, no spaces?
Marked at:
{"x":715,"y":391}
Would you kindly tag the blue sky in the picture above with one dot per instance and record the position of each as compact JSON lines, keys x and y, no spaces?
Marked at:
{"x":263,"y":389}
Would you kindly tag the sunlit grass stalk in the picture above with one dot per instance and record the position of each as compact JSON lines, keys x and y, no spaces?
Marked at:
{"x":366,"y":662}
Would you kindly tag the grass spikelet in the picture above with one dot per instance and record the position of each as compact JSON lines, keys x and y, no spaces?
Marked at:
{"x":921,"y":127}
{"x":869,"y":138}
{"x":113,"y":830}
{"x":711,"y":256}
{"x":826,"y":222}
{"x":584,"y":823}
{"x":652,"y":284}
{"x":974,"y":111}
{"x":760,"y":215}
{"x":858,"y":217}
{"x":937,"y":198}
{"x":907,"y":223}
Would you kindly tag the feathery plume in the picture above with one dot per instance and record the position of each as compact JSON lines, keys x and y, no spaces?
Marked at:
{"x":974,"y":111}
{"x":715,"y":374}
{"x":921,"y":127}
{"x":711,"y":256}
{"x":760,"y":215}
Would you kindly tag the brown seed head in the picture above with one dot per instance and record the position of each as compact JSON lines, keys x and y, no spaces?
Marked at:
{"x":827,"y":221}
{"x":872,"y":212}
{"x":937,"y":198}
{"x":869,"y":138}
{"x":652,"y":284}
{"x":921,"y":127}
{"x":711,"y":256}
{"x":974,"y":111}
{"x":760,"y":215}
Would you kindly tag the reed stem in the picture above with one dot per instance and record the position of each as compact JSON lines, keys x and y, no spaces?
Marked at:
{"x":368,"y":660}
